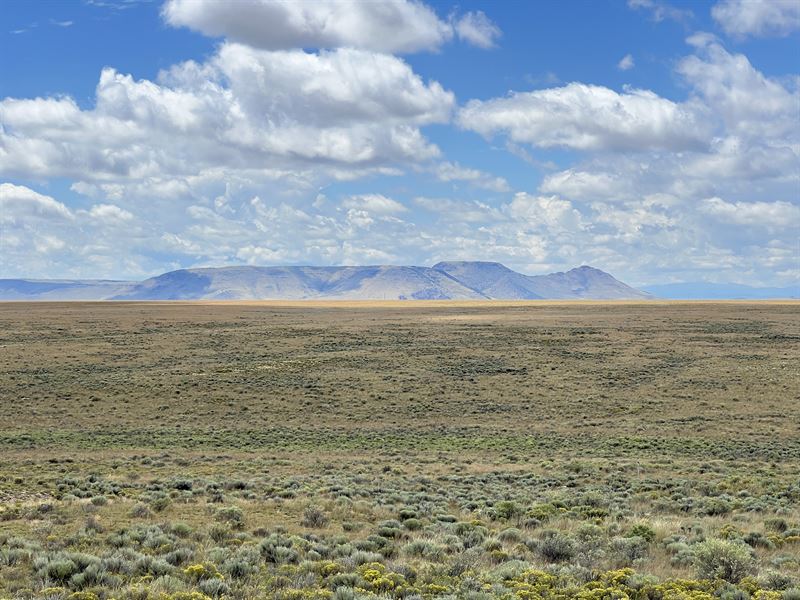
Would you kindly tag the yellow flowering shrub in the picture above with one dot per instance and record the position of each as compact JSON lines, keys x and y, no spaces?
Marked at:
{"x":202,"y":571}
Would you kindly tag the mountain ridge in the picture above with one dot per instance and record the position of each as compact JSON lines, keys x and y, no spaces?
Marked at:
{"x":446,"y":280}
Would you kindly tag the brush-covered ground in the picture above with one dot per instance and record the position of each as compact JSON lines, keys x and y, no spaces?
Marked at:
{"x":438,"y":451}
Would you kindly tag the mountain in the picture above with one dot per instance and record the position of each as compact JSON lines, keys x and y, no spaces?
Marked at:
{"x":720,"y":291}
{"x":587,"y":283}
{"x":62,"y":289}
{"x":446,"y":280}
{"x":497,"y":281}
{"x":302,"y":283}
{"x":490,"y":279}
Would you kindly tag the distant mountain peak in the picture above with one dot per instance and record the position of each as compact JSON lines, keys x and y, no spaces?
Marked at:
{"x":495,"y":280}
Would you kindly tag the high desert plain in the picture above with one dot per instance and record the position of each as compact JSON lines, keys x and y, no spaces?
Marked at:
{"x":478,"y":450}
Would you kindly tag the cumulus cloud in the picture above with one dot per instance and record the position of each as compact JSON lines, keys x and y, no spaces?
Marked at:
{"x":109,"y":213}
{"x":392,"y":26}
{"x":530,"y":231}
{"x":588,"y":117}
{"x":586,"y":185}
{"x":778,"y":214}
{"x":477,"y":29}
{"x":40,"y":233}
{"x":697,"y":205}
{"x":18,"y":201}
{"x":632,"y":222}
{"x":262,"y":114}
{"x":735,"y":159}
{"x":389,"y":26}
{"x":752,"y":140}
{"x":338,"y":87}
{"x":550,"y":211}
{"x":757,"y":18}
{"x":749,"y":103}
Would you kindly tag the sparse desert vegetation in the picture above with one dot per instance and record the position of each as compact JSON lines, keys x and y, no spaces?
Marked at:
{"x":515,"y":451}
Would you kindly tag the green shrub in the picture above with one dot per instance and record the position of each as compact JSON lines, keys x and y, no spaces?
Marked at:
{"x":556,"y":547}
{"x":168,"y":584}
{"x":141,"y":511}
{"x":776,"y":524}
{"x":775,"y":580}
{"x":507,"y":509}
{"x":232,"y":515}
{"x":643,"y":531}
{"x":629,"y":549}
{"x":160,"y":503}
{"x":721,"y":559}
{"x":61,"y":570}
{"x":214,"y":587}
{"x":512,"y":534}
{"x":424,"y":549}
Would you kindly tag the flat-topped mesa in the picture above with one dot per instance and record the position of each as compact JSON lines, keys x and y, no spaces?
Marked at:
{"x":446,"y":280}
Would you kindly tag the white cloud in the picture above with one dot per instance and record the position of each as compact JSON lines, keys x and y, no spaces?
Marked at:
{"x":532,"y":232}
{"x":752,"y":214}
{"x":634,"y":221}
{"x":748,"y":103}
{"x":734,"y":158}
{"x":753,"y":141}
{"x":448,"y":171}
{"x":109,"y":213}
{"x":259,"y":255}
{"x":551,"y":212}
{"x":152,"y":187}
{"x":338,"y":87}
{"x":588,"y":117}
{"x":585,"y":185}
{"x":660,"y":11}
{"x":626,"y":63}
{"x":18,"y":201}
{"x":358,"y":219}
{"x":41,"y":236}
{"x":758,"y":18}
{"x":391,"y":26}
{"x":374,"y":204}
{"x":45,"y":244}
{"x":463,"y":211}
{"x":477,"y":29}
{"x":264,"y":115}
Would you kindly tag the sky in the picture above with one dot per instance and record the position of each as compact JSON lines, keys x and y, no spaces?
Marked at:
{"x":657,"y":141}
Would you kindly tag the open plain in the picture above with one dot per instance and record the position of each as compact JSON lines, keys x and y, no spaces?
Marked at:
{"x":478,"y":450}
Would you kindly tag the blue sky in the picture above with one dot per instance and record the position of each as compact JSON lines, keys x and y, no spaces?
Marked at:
{"x":656,"y":141}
